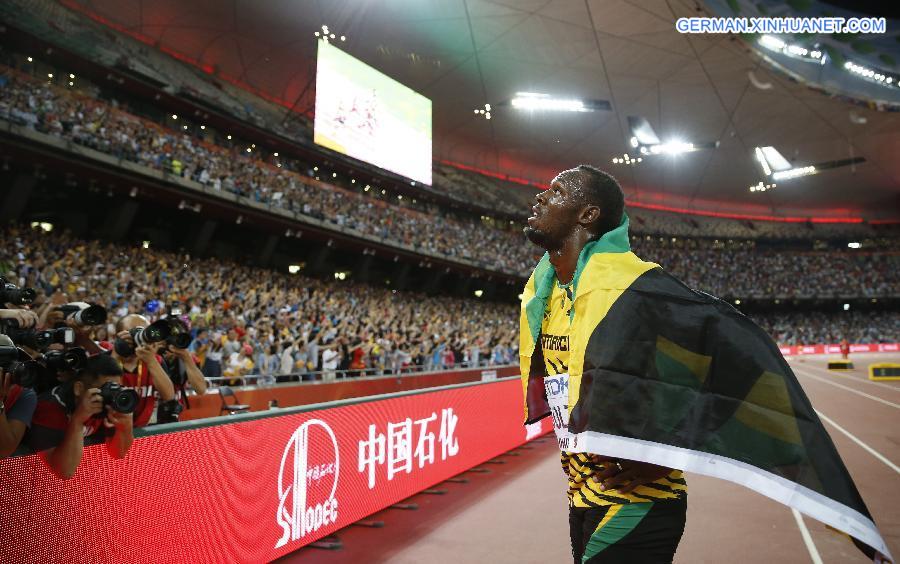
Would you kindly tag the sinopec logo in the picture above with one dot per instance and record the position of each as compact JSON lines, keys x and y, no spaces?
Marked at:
{"x":307,"y":481}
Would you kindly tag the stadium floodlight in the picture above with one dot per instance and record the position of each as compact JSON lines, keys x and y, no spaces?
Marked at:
{"x":647,"y":142}
{"x":674,"y":147}
{"x":772,"y":43}
{"x":854,"y":245}
{"x":793,"y":173}
{"x":846,"y":307}
{"x":871,"y":75}
{"x":533,"y":101}
{"x":774,"y":165}
{"x":294,"y":268}
{"x":761,"y":158}
{"x":479,"y":293}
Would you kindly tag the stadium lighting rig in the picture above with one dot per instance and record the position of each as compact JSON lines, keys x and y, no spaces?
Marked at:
{"x":873,"y":76}
{"x":777,"y":168}
{"x":647,"y":142}
{"x":814,"y":55}
{"x":535,"y":101}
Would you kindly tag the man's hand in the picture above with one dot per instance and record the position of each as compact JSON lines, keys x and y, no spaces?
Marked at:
{"x":146,"y":353}
{"x":24,"y":317}
{"x":183,"y":354}
{"x":626,"y":475}
{"x":91,"y":404}
{"x":119,"y":421}
{"x":125,"y":336}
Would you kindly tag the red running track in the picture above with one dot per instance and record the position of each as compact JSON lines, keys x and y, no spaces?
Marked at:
{"x":517,"y":512}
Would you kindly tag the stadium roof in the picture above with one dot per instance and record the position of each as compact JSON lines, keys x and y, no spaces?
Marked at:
{"x":465,"y":53}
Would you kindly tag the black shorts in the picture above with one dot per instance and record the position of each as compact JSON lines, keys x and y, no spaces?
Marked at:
{"x":637,"y":533}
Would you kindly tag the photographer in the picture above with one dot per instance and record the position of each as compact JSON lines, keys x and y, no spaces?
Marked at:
{"x":16,"y":409}
{"x":142,"y":368}
{"x":80,"y":413}
{"x":183,"y":370}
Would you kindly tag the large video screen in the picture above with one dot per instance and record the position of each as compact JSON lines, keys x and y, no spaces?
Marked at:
{"x":366,"y":115}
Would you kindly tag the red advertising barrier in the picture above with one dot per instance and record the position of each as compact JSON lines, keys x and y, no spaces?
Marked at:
{"x":257,"y":487}
{"x":836,"y":349}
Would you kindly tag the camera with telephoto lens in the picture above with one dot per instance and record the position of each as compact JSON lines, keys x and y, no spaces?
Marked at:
{"x":24,"y":371}
{"x":118,"y":397}
{"x":74,"y":358}
{"x":37,"y":340}
{"x":84,"y":314}
{"x":156,"y":332}
{"x":12,"y":294}
{"x":179,"y":334}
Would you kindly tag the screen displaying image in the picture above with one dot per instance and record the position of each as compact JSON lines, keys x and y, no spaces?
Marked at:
{"x":366,"y":115}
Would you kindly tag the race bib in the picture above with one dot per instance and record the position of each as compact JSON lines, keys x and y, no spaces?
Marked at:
{"x":557,"y":389}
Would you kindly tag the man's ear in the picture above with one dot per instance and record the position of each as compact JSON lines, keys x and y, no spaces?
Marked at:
{"x":589,"y":216}
{"x":78,"y":388}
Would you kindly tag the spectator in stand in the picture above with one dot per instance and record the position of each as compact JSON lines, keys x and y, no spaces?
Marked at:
{"x":240,"y":364}
{"x":212,"y":363}
{"x":330,"y":359}
{"x":72,"y":416}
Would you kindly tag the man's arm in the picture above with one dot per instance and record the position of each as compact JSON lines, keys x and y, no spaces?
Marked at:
{"x":194,"y":376}
{"x":65,"y":457}
{"x":161,"y":380}
{"x":13,"y":424}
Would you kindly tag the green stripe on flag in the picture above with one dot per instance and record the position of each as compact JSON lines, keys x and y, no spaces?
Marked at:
{"x":612,"y":531}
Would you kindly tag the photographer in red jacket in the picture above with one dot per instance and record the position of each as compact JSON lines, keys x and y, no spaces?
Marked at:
{"x":91,"y":409}
{"x":142,"y":369}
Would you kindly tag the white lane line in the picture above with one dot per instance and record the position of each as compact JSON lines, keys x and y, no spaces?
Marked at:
{"x":807,"y":538}
{"x":867,"y":381}
{"x":853,"y":438}
{"x":849,"y":389}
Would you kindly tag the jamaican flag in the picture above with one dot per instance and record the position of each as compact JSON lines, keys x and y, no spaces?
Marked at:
{"x":664,"y":374}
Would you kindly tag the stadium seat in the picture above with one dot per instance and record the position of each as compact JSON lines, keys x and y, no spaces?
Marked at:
{"x":231,"y":408}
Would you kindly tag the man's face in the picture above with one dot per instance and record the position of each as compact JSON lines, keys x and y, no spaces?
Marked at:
{"x":556,"y":211}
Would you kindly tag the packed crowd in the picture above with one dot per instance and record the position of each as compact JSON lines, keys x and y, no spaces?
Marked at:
{"x":93,"y":123}
{"x":290,"y":324}
{"x":804,"y":328}
{"x":749,"y":272}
